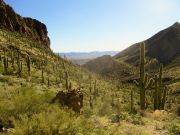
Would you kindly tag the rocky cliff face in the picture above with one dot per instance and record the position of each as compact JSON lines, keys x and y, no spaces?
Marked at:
{"x":30,"y":27}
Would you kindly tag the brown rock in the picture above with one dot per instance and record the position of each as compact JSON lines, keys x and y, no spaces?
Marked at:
{"x":30,"y":27}
{"x":73,"y":99}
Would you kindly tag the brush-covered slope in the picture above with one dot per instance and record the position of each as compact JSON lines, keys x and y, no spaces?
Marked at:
{"x":25,"y":106}
{"x":25,"y":96}
{"x":163,"y":46}
{"x":108,"y":66}
{"x":31,"y":75}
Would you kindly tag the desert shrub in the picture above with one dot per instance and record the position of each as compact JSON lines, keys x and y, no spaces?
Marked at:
{"x":104,"y":107}
{"x":54,"y":121}
{"x":174,"y":128}
{"x":125,"y":116}
{"x":137,"y":119}
{"x":14,"y":103}
{"x":133,"y":118}
{"x":30,"y":113}
{"x":115,"y":118}
{"x":88,"y":113}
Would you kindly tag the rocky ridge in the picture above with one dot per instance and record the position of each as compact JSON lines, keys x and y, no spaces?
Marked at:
{"x":33,"y":28}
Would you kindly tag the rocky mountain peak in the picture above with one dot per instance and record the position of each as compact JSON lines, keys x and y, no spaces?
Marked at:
{"x":9,"y":19}
{"x":177,"y":24}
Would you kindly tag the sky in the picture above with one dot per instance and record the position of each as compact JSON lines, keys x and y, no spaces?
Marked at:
{"x":99,"y":25}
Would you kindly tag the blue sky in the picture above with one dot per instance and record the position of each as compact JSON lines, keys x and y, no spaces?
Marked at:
{"x":99,"y":25}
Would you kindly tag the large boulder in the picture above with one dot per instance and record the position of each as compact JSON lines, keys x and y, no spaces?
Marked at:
{"x":72,"y":98}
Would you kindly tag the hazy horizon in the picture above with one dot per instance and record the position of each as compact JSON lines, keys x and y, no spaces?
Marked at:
{"x":99,"y":25}
{"x":86,"y":51}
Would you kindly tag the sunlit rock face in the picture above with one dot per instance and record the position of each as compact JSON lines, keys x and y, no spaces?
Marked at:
{"x":33,"y":28}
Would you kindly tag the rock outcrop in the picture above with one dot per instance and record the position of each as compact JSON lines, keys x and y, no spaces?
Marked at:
{"x":30,"y":27}
{"x":73,"y":99}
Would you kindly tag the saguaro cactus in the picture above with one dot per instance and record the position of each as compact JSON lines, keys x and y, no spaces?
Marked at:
{"x":5,"y":61}
{"x":19,"y":64}
{"x":12,"y":60}
{"x":28,"y":63}
{"x":48,"y":81}
{"x":95,"y":88}
{"x":145,"y":82}
{"x":20,"y":67}
{"x":164,"y":98}
{"x":66,"y":78}
{"x":95,"y":93}
{"x":132,"y":101}
{"x":70,"y":86}
{"x":160,"y":92}
{"x":156,"y":101}
{"x":90,"y":93}
{"x":42,"y":74}
{"x":90,"y":86}
{"x":160,"y":85}
{"x":90,"y":102}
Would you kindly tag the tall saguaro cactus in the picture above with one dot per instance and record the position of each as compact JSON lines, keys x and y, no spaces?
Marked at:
{"x":12,"y":60}
{"x":145,"y":82}
{"x":164,"y":98}
{"x":42,"y":74}
{"x":132,"y":101}
{"x":95,"y":93}
{"x":19,"y":64}
{"x":20,"y":68}
{"x":156,"y":101}
{"x":5,"y":61}
{"x":160,"y":85}
{"x":90,"y":86}
{"x":28,"y":63}
{"x":160,"y":92}
{"x":67,"y":83}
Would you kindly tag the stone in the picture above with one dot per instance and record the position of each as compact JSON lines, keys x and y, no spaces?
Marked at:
{"x":72,"y":98}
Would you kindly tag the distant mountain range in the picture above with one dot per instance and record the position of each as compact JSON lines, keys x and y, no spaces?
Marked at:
{"x":87,"y":55}
{"x":83,"y":57}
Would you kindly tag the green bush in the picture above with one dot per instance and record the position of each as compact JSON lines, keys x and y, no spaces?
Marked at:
{"x":21,"y":101}
{"x":54,"y":121}
{"x":174,"y":128}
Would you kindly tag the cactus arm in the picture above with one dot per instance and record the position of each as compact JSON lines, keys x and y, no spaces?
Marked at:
{"x":156,"y":93}
{"x":150,"y":83}
{"x":146,"y":80}
{"x":164,"y":98}
{"x":132,"y":101}
{"x":136,"y":83}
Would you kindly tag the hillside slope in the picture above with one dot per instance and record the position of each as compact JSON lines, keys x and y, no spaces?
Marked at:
{"x":25,"y":100}
{"x":25,"y":97}
{"x":107,"y":66}
{"x":163,"y":46}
